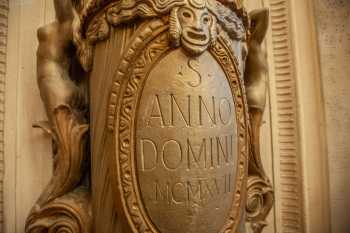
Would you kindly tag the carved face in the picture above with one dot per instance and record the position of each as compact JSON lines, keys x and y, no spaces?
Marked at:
{"x":196,"y":28}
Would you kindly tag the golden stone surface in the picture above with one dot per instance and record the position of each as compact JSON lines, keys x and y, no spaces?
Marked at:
{"x":187,"y":144}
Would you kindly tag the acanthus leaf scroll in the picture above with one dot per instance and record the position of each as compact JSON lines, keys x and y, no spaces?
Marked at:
{"x":196,"y":26}
{"x":260,"y":192}
{"x":64,"y":205}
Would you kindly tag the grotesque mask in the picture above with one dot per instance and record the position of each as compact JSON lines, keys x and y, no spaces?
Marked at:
{"x":193,"y":26}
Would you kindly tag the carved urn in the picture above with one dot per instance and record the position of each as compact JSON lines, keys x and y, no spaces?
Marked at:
{"x":172,"y":92}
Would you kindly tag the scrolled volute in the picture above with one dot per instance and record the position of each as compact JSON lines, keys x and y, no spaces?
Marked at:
{"x":70,"y":213}
{"x":69,"y":143}
{"x":259,"y":202}
{"x":62,"y":207}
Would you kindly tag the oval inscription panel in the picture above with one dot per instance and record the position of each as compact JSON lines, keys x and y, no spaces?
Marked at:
{"x":186,"y":144}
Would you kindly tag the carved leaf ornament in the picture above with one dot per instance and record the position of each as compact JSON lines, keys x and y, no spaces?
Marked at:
{"x":115,"y":13}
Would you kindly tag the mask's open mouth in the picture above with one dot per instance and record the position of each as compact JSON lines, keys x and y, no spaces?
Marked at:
{"x":195,"y":38}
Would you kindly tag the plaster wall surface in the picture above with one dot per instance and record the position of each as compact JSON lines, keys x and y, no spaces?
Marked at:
{"x":333,"y":25}
{"x":28,"y":157}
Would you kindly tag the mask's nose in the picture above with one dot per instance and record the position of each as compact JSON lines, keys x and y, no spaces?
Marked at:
{"x":197,"y":24}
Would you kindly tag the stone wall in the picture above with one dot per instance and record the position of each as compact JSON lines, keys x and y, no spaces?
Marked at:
{"x":333,"y":25}
{"x":28,"y":157}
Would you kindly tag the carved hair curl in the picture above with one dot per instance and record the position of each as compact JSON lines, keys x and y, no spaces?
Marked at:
{"x":175,"y":29}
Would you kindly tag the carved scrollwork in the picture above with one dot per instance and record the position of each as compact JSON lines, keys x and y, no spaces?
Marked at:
{"x":201,"y":14}
{"x":259,"y":188}
{"x":90,"y":7}
{"x":60,"y":208}
{"x":98,"y":30}
{"x":259,"y":202}
{"x":64,"y":204}
{"x":197,"y":26}
{"x":68,"y":214}
{"x":69,"y":136}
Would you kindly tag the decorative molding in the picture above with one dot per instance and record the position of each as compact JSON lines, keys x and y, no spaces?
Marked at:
{"x":128,"y":84}
{"x":61,"y":207}
{"x":96,"y":17}
{"x":70,"y":213}
{"x":64,"y":94}
{"x":88,"y":8}
{"x":62,"y":196}
{"x":289,"y":193}
{"x":4,"y":9}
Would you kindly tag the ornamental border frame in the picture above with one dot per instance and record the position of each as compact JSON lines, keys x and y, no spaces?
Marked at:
{"x":4,"y":14}
{"x":288,"y":176}
{"x":296,"y":140}
{"x":124,"y":99}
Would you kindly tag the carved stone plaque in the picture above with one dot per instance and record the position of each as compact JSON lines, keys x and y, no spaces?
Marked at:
{"x":182,"y":136}
{"x":186,"y":144}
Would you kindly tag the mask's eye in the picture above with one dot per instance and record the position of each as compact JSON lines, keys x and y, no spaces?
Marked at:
{"x":186,"y":14}
{"x":206,"y":19}
{"x":253,"y":24}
